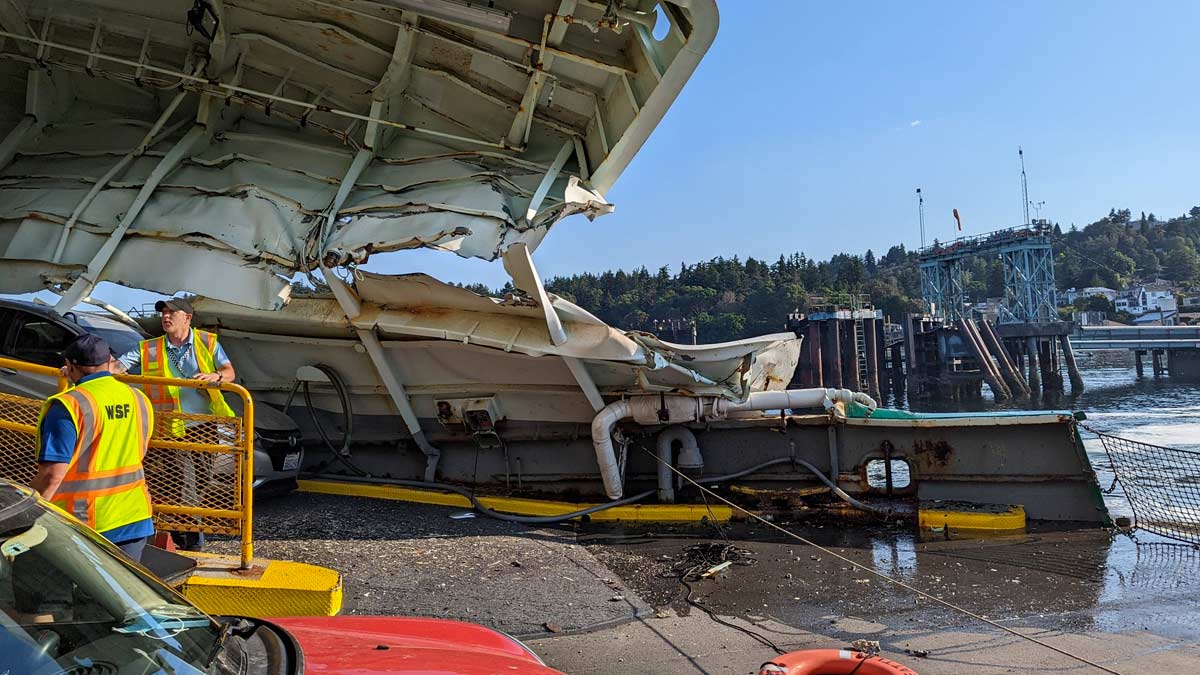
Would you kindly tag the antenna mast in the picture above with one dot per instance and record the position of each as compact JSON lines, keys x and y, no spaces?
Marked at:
{"x":921,"y":215}
{"x":1024,"y":185}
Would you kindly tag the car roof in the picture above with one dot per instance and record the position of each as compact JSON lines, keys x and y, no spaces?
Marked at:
{"x":48,"y":312}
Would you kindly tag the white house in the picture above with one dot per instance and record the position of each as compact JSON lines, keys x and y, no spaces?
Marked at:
{"x":1074,"y":294}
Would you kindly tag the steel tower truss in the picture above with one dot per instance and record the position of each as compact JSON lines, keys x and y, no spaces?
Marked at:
{"x":1029,"y":292}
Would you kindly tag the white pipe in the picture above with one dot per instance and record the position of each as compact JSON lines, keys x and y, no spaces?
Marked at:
{"x":652,"y":410}
{"x":689,"y":458}
{"x":602,"y":425}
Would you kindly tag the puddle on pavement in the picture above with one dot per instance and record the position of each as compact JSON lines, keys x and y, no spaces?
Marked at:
{"x":1072,"y":580}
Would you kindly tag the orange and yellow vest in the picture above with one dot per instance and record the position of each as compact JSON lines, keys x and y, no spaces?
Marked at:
{"x":104,"y":485}
{"x":166,"y":398}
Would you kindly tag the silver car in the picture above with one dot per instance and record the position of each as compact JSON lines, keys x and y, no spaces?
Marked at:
{"x":31,"y":332}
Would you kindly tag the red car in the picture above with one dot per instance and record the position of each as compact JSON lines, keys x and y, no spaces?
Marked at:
{"x":73,"y":605}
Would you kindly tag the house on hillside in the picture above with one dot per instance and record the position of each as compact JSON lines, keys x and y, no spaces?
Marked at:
{"x":1158,"y":317}
{"x":1150,"y":297}
{"x":1073,"y":294}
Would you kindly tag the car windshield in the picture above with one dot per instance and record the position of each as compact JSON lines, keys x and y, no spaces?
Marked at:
{"x":120,"y":338}
{"x":70,"y":605}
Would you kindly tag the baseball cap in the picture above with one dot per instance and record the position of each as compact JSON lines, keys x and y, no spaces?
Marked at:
{"x":88,"y":350}
{"x":174,"y":303}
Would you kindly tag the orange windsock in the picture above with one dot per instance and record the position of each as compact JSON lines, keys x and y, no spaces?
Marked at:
{"x":958,"y":220}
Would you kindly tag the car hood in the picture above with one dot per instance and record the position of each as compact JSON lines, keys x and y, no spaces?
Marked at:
{"x":399,"y":646}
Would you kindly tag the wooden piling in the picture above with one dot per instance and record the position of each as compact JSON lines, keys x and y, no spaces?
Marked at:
{"x":1072,"y":367}
{"x":1137,"y":362}
{"x":833,"y":349}
{"x":1156,"y":361}
{"x":872,"y":355}
{"x":1031,"y":348}
{"x":1010,"y":372}
{"x":986,"y":368}
{"x":813,"y":349}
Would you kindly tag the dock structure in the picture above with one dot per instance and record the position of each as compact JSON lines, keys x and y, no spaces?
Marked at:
{"x":848,"y":345}
{"x":1029,"y":336}
{"x":1173,"y":350}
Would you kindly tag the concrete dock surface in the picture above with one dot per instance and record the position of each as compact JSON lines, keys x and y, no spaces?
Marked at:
{"x":593,"y":599}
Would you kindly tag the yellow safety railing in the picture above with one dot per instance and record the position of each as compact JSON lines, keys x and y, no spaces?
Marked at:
{"x":199,"y":468}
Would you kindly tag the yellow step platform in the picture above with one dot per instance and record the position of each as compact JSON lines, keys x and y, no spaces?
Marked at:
{"x":975,"y":518}
{"x":270,"y":588}
{"x":662,"y":513}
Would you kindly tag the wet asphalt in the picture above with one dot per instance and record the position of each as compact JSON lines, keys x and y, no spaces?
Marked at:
{"x":592,"y":581}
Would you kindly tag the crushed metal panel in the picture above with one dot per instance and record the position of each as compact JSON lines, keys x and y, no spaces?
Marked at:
{"x":291,"y":83}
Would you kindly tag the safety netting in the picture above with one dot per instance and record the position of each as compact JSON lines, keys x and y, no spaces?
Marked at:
{"x":1162,"y":485}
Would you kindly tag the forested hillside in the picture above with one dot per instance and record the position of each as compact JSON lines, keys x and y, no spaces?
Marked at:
{"x":729,"y":298}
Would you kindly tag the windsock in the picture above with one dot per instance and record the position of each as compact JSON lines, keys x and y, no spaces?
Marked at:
{"x":958,"y":220}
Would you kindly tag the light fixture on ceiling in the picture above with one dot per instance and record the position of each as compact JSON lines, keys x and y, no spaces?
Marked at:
{"x":463,"y":13}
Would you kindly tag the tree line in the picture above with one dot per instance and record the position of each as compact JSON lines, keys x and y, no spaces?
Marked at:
{"x":730,"y":298}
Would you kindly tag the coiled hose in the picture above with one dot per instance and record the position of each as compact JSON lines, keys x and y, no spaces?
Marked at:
{"x":343,"y":393}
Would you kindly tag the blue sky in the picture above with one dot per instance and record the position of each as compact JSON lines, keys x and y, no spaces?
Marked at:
{"x":808,"y":127}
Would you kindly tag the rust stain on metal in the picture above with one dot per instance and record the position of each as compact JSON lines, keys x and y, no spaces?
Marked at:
{"x":935,"y":452}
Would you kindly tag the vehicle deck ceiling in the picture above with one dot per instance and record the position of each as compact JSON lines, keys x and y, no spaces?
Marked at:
{"x":314,"y":130}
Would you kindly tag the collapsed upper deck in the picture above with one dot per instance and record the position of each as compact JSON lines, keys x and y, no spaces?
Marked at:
{"x":275,"y":135}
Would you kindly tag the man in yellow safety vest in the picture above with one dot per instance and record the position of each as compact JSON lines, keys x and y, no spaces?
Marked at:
{"x":91,"y":442}
{"x":183,"y":352}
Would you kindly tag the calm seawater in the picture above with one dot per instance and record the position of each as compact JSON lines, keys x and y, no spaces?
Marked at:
{"x":1161,"y":411}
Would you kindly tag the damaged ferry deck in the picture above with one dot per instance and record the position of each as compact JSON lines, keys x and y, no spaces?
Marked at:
{"x":230,"y":150}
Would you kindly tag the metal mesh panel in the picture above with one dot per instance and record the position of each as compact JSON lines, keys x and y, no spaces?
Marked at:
{"x":1162,"y":485}
{"x":18,"y":447}
{"x":200,"y":469}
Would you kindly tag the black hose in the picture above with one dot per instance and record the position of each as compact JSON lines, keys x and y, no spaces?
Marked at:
{"x":840,"y":493}
{"x":339,"y":386}
{"x":532,"y":520}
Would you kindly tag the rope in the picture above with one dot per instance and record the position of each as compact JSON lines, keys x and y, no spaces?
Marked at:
{"x":882,"y":576}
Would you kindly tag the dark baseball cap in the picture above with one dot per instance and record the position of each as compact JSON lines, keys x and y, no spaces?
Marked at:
{"x":88,"y":350}
{"x":174,"y":303}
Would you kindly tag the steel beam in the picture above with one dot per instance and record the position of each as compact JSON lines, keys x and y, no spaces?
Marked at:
{"x":553,"y":32}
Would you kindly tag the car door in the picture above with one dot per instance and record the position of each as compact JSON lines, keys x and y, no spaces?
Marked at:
{"x":36,"y":339}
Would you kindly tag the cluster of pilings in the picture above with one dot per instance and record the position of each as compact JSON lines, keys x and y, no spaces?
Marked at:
{"x":952,"y":360}
{"x":848,"y":348}
{"x":1041,"y":350}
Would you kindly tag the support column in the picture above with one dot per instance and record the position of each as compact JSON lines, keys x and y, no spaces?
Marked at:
{"x":816,"y":376}
{"x":833,"y":353}
{"x":1035,"y":379}
{"x":1156,"y":362}
{"x":1137,"y":362}
{"x":1072,"y":367}
{"x":872,"y":349}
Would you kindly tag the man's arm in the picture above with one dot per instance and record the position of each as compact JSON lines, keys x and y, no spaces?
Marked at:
{"x":224,"y":372}
{"x":55,"y":451}
{"x":129,"y":361}
{"x":49,"y":476}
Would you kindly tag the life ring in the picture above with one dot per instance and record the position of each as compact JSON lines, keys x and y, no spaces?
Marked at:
{"x":832,"y":662}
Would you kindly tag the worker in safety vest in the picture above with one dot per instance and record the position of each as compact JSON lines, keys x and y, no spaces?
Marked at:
{"x":91,"y":442}
{"x":183,"y":352}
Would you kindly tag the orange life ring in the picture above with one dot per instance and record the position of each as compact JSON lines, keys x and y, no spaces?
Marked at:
{"x":832,"y":662}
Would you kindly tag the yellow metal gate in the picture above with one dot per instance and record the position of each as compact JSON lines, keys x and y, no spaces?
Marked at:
{"x":199,"y":468}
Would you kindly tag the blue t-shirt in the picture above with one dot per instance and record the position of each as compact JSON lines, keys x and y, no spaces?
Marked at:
{"x":58,"y":439}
